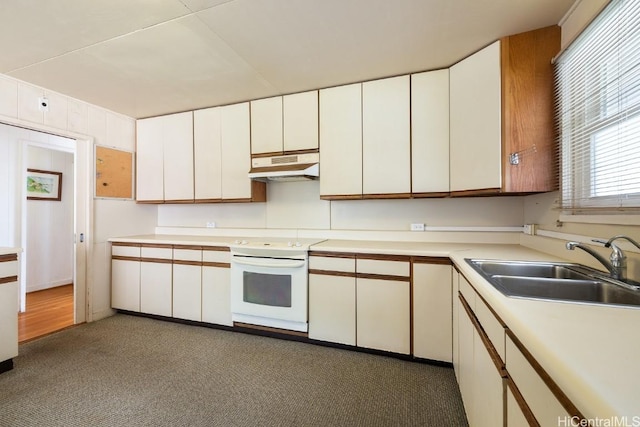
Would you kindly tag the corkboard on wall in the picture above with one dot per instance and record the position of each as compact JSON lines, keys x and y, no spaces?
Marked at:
{"x":114,"y":173}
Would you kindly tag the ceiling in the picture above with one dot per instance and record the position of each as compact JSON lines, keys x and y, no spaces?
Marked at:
{"x":144,"y":58}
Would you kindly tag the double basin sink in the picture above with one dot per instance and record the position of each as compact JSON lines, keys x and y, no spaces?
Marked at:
{"x":556,"y":281}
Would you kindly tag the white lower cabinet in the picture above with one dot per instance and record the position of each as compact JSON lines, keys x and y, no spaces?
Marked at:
{"x":8,"y":310}
{"x":515,"y":414}
{"x":482,"y":383}
{"x":187,"y":284}
{"x":432,"y":329}
{"x":125,"y":277}
{"x":539,"y":398}
{"x":332,"y":299}
{"x":216,"y":286}
{"x":156,"y":280}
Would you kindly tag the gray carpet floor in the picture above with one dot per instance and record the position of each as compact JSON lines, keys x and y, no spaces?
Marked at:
{"x":134,"y":371}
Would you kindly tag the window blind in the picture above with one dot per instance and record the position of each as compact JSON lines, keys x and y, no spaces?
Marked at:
{"x":597,"y":93}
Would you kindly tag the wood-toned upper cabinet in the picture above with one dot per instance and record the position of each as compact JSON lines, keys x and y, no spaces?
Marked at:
{"x":341,"y":142}
{"x":266,"y":126}
{"x":430,"y":133}
{"x":207,"y":148}
{"x":300,"y":115}
{"x":386,"y":140}
{"x":501,"y":111}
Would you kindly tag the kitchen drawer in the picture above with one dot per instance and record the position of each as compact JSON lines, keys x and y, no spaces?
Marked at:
{"x":544,"y":405}
{"x":492,"y":326}
{"x":383,"y":267}
{"x":129,"y":251}
{"x":346,"y":265}
{"x":8,"y":269}
{"x":214,"y":255}
{"x":467,"y":292}
{"x":187,"y":255}
{"x":156,"y":252}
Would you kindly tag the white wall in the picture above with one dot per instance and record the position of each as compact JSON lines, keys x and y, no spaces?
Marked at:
{"x":80,"y":120}
{"x":49,"y":225}
{"x":297,"y":205}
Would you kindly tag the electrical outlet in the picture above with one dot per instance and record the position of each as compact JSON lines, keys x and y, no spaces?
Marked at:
{"x":211,"y":224}
{"x":417,"y":227}
{"x":529,"y":229}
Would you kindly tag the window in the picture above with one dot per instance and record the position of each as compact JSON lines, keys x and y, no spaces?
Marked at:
{"x":598,"y":114}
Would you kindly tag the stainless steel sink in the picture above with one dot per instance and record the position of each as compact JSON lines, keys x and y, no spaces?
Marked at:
{"x":556,"y":281}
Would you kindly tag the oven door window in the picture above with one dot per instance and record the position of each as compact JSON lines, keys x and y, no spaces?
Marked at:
{"x":267,"y":289}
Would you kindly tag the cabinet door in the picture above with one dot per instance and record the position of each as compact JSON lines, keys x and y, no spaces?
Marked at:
{"x":488,"y":388}
{"x":466,"y":372}
{"x":515,"y":415}
{"x":386,"y":147}
{"x":475,"y":116}
{"x":430,"y":132}
{"x":178,"y":156}
{"x":187,"y":284}
{"x":216,"y":295}
{"x":266,"y":125}
{"x":382,"y":315}
{"x":332,"y":308}
{"x":9,"y":318}
{"x":125,"y":285}
{"x":341,"y":141}
{"x":236,"y":155}
{"x":432,"y":329}
{"x":155,"y":288}
{"x":300,"y":115}
{"x":455,"y":306}
{"x":149,"y":160}
{"x":207,"y":154}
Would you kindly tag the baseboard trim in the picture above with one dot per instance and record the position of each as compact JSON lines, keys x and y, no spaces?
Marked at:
{"x":5,"y":366}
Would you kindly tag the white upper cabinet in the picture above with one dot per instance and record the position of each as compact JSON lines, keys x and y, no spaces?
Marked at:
{"x":266,"y":125}
{"x":207,"y":146}
{"x":430,"y":132}
{"x":475,"y":109}
{"x":178,"y":156}
{"x":341,"y":141}
{"x":164,"y":156}
{"x":149,"y":160}
{"x":300,"y":112}
{"x":235,"y":142}
{"x":386,"y":140}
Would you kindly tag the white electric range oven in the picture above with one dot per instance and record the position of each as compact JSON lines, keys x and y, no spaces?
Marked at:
{"x":269,"y":282}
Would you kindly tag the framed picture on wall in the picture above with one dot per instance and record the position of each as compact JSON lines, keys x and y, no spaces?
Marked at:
{"x":44,"y":185}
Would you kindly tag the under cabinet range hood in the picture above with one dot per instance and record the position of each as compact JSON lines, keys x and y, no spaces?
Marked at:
{"x":288,"y":167}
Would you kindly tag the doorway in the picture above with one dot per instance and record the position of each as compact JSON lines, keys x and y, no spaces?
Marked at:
{"x":47,"y":291}
{"x":15,"y":140}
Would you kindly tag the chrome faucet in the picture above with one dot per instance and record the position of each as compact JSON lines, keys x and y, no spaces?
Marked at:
{"x":617,"y":264}
{"x":619,"y":236}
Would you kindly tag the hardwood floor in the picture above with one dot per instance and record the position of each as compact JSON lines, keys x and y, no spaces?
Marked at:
{"x":48,"y":311}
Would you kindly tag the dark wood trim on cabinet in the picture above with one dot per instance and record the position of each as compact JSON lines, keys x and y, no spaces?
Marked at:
{"x":555,"y":389}
{"x":157,"y":260}
{"x":9,"y":279}
{"x":180,"y":202}
{"x":341,"y":196}
{"x":269,"y":154}
{"x":298,"y":167}
{"x":216,"y":248}
{"x":383,"y":277}
{"x":346,"y":255}
{"x":431,"y":260}
{"x":493,"y":353}
{"x":522,"y":404}
{"x":185,"y":262}
{"x":479,"y":192}
{"x":133,"y":245}
{"x":384,"y":257}
{"x":125,"y":258}
{"x":156,"y":245}
{"x":387,"y":196}
{"x":332,"y":273}
{"x":258,"y":191}
{"x":430,"y":195}
{"x":150,"y":202}
{"x":188,"y":247}
{"x":8,"y":257}
{"x":216,"y":264}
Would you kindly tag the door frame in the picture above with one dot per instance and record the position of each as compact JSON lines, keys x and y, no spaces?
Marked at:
{"x":83,"y":212}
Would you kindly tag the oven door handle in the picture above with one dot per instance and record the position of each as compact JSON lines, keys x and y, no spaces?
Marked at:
{"x":270,"y":264}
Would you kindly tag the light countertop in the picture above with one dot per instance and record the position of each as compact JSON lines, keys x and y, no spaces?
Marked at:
{"x":591,"y":351}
